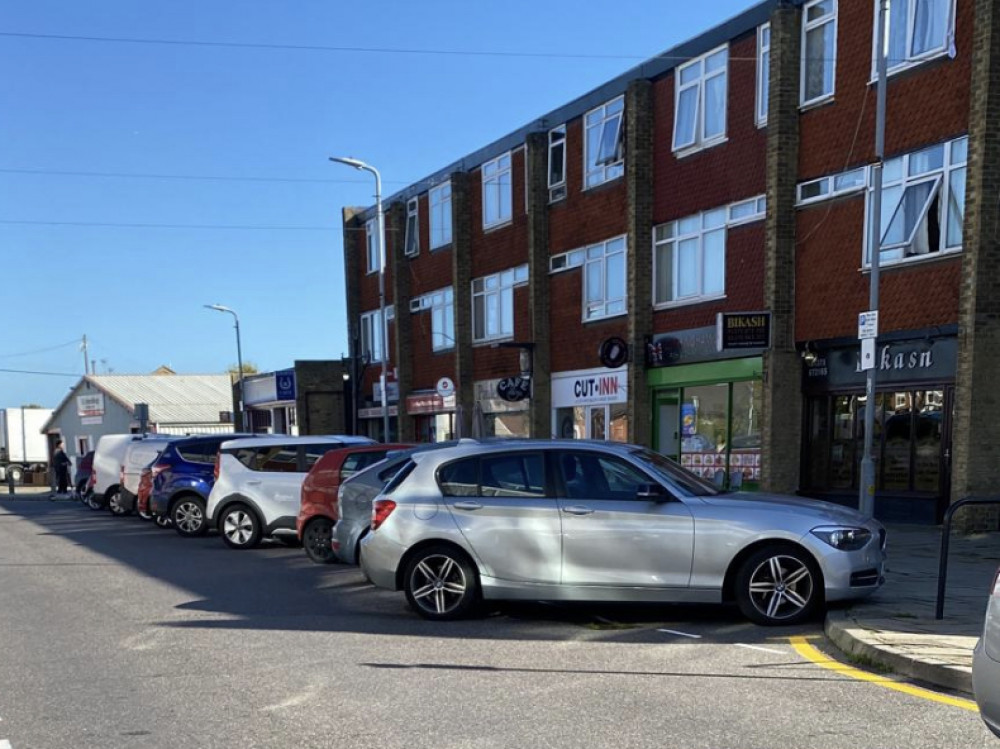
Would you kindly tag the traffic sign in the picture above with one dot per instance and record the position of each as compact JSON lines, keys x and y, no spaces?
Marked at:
{"x":868,"y":325}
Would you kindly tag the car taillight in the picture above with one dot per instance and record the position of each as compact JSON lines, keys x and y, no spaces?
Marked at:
{"x":93,"y":479}
{"x":215,"y":470}
{"x":381,"y":510}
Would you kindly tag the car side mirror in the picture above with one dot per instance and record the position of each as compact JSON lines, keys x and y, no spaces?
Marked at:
{"x":652,"y":493}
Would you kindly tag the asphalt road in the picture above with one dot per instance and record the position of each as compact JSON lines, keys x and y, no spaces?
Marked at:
{"x":114,"y":633}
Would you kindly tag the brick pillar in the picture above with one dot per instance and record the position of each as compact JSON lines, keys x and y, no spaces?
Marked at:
{"x":538,"y":285}
{"x":639,"y":278}
{"x":461,"y":265}
{"x":319,"y":397}
{"x":403,"y":350}
{"x":781,"y":422}
{"x":353,"y":230}
{"x":976,"y":439}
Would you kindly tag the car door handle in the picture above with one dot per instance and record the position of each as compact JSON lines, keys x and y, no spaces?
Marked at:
{"x":255,"y":482}
{"x":578,"y":510}
{"x":467,"y":506}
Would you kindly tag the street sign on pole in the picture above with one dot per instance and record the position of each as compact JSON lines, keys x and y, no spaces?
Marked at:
{"x":868,"y":325}
{"x":867,"y":354}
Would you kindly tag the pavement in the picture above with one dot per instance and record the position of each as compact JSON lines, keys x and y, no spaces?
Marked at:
{"x":896,"y":628}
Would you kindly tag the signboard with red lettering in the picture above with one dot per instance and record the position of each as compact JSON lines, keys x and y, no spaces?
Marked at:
{"x":593,"y":386}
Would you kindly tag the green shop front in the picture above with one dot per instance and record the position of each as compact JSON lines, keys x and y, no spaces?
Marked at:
{"x":706,"y":405}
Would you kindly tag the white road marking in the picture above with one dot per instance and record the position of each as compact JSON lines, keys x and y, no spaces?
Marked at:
{"x":4,"y":744}
{"x":758,"y":647}
{"x":668,"y":631}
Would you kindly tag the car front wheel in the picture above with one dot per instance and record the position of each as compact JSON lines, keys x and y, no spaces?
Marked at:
{"x":779,"y":585}
{"x":116,"y":506}
{"x":441,"y":583}
{"x":316,"y":539}
{"x":188,"y":517}
{"x":240,"y":527}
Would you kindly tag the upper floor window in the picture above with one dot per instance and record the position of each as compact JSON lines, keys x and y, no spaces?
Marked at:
{"x":371,"y":333}
{"x":603,"y":153}
{"x":496,"y":191}
{"x":819,"y":50}
{"x":923,"y":202}
{"x":700,"y":101}
{"x":493,"y":304}
{"x":917,"y":30}
{"x":557,"y":163}
{"x":689,"y":258}
{"x":441,"y":304}
{"x":604,"y":290}
{"x":412,"y":242}
{"x":439,"y":199}
{"x":763,"y":72}
{"x":371,"y":244}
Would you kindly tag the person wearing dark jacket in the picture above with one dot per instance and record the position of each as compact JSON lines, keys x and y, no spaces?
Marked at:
{"x":61,"y":463}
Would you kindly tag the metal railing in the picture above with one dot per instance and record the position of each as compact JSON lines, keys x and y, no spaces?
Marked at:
{"x":946,"y":541}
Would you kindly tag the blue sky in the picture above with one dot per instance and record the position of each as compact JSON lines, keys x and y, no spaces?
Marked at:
{"x":261,"y":122}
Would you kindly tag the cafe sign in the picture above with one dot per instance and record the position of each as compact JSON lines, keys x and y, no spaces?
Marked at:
{"x":742,"y":330}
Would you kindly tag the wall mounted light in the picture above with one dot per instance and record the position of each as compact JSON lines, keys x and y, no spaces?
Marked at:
{"x":808,"y":355}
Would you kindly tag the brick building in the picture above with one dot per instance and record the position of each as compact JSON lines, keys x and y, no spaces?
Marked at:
{"x":730,"y":174}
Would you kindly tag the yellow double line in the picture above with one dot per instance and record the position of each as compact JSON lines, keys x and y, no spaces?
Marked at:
{"x":807,"y":651}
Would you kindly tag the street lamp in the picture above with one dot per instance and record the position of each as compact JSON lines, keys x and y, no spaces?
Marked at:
{"x":380,"y":239}
{"x":239,"y":350}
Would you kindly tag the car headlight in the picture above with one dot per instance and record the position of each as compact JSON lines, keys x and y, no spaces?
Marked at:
{"x":845,"y":539}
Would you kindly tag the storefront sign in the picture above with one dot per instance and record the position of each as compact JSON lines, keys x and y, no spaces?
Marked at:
{"x":445,"y":387}
{"x":589,"y":387}
{"x":285,"y":384}
{"x":376,"y":413}
{"x":429,"y":403}
{"x":931,"y":360}
{"x":487,"y":397}
{"x":743,"y":330}
{"x":613,"y":352}
{"x":514,"y":389}
{"x":689,"y":347}
{"x":391,"y":391}
{"x":90,"y":406}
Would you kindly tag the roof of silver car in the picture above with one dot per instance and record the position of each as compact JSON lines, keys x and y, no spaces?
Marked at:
{"x":284,"y":439}
{"x":470,"y":446}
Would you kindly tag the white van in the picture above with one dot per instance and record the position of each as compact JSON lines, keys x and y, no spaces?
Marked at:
{"x":259,"y":485}
{"x":105,"y":476}
{"x":138,"y":455}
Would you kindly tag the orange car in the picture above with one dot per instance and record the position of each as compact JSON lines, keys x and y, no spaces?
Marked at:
{"x":319,"y":512}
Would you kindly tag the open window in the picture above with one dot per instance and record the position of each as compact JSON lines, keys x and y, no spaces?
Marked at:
{"x":915,"y":227}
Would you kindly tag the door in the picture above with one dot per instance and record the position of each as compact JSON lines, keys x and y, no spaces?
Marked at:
{"x":611,"y":538}
{"x":667,"y":423}
{"x":507,"y":514}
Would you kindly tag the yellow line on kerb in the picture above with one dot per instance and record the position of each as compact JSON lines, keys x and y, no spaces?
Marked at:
{"x":807,"y":651}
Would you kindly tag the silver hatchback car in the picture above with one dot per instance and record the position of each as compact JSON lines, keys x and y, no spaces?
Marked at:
{"x":569,"y":520}
{"x":986,"y":662}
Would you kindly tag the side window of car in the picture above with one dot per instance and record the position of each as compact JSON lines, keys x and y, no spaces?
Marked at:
{"x":593,"y":476}
{"x":199,"y":452}
{"x":276,"y":459}
{"x":245,"y":455}
{"x":358,"y":462}
{"x":312,"y":453}
{"x":516,"y":475}
{"x":460,"y":479}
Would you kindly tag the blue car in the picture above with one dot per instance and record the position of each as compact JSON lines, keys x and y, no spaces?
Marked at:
{"x":182,"y":480}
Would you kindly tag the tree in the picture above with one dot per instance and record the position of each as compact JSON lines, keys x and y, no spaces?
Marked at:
{"x":249,"y":368}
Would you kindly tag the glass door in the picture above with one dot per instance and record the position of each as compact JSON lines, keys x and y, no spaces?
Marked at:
{"x":667,"y":423}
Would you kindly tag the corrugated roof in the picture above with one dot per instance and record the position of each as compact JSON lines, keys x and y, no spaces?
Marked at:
{"x":172,"y":399}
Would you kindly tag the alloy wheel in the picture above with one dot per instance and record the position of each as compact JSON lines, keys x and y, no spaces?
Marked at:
{"x":188,"y":517}
{"x":781,"y":587}
{"x":238,"y":527}
{"x":115,"y":504}
{"x":438,"y":584}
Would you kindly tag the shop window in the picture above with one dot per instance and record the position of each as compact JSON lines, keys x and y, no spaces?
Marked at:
{"x":704,"y":425}
{"x":506,"y":424}
{"x":602,"y":422}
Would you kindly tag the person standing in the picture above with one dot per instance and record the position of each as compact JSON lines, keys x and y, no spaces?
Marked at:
{"x":61,"y":463}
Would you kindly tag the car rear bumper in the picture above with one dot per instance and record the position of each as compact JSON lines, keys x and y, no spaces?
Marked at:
{"x":379,"y":560}
{"x":986,"y":685}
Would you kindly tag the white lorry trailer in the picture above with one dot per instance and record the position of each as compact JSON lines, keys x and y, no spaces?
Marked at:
{"x":22,"y":445}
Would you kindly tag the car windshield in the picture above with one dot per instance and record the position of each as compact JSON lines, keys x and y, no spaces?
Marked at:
{"x":674,"y":474}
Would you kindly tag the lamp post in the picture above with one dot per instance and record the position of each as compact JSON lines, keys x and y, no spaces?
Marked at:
{"x":239,"y":350}
{"x":383,"y":323}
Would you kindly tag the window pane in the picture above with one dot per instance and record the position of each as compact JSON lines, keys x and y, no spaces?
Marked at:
{"x":690,"y":73}
{"x":618,"y":431}
{"x":506,"y":298}
{"x":927,"y":466}
{"x":689,"y":225}
{"x":715,"y":262}
{"x":928,"y":160}
{"x":556,"y":166}
{"x":687,"y":268}
{"x":714,"y":219}
{"x":598,"y":423}
{"x":896,"y":449}
{"x":716,"y":61}
{"x":930,"y":24}
{"x":898,"y":21}
{"x":609,"y":140}
{"x":505,"y":197}
{"x":663,"y":290}
{"x":819,"y":10}
{"x":479,"y":315}
{"x":315,"y":452}
{"x":513,"y":476}
{"x":849,"y":180}
{"x":569,"y":423}
{"x":843,"y":443}
{"x":492,"y":314}
{"x":909,"y":213}
{"x":616,"y":276}
{"x":818,"y":455}
{"x":956,"y":207}
{"x":816,"y":189}
{"x":594,"y":292}
{"x":704,"y":423}
{"x":460,"y":479}
{"x":687,"y":109}
{"x":715,"y":106}
{"x":960,"y":151}
{"x":819,"y":61}
{"x":744,"y":446}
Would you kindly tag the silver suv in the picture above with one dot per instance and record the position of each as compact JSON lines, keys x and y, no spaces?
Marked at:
{"x":259,"y":485}
{"x":600,"y":521}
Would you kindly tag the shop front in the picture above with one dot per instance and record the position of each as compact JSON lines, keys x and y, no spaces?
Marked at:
{"x":371,"y":420}
{"x":590,"y":404}
{"x":706,"y":405}
{"x":914,"y":398}
{"x":500,"y":417}
{"x":433,"y":415}
{"x":269,"y":401}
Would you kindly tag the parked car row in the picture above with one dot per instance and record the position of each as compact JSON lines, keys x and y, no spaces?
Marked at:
{"x":453,"y":525}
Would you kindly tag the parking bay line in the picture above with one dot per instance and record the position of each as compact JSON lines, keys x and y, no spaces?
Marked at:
{"x":807,"y":651}
{"x":673,"y":632}
{"x":760,"y":648}
{"x":4,"y":744}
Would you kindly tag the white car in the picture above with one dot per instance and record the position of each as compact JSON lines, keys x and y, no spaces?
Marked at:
{"x":259,"y":485}
{"x":138,"y":455}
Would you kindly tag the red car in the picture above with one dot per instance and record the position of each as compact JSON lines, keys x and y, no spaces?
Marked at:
{"x":318,"y":512}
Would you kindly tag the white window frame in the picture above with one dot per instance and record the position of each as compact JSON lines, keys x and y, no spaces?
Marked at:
{"x":371,"y":246}
{"x":411,"y":242}
{"x":701,"y":140}
{"x":808,"y":26}
{"x":499,"y":287}
{"x":763,"y":72}
{"x":612,"y":164}
{"x":832,"y":186}
{"x":557,"y":140}
{"x":441,"y":304}
{"x":911,"y":60}
{"x":495,"y":186}
{"x":746,"y":211}
{"x":940,"y":179}
{"x":567,"y":260}
{"x":612,"y":302}
{"x":670,"y":237}
{"x":371,"y":332}
{"x":439,"y":215}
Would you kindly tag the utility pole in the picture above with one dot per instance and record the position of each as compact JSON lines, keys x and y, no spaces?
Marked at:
{"x":866,"y":498}
{"x":83,"y":347}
